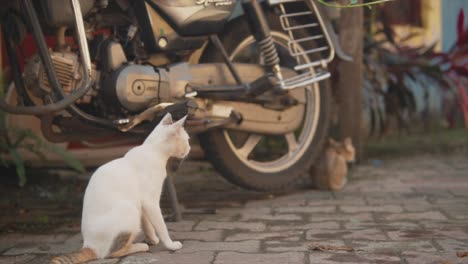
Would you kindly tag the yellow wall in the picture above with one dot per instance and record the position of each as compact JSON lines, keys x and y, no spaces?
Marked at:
{"x":431,"y":32}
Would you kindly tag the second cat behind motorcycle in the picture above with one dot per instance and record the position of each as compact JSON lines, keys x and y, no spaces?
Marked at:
{"x":332,"y":170}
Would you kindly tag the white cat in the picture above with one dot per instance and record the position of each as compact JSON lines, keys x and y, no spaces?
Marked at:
{"x":122,"y":198}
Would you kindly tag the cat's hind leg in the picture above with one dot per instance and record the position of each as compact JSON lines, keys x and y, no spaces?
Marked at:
{"x":149,"y":231}
{"x":130,"y":249}
{"x":123,"y":245}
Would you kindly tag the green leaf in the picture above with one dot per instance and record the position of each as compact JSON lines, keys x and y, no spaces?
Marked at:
{"x":20,"y":167}
{"x":35,"y":150}
{"x":69,"y":158}
{"x":43,"y":219}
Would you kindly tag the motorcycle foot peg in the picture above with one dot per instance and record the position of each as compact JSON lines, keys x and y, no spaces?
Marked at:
{"x":262,"y":85}
{"x":181,"y":109}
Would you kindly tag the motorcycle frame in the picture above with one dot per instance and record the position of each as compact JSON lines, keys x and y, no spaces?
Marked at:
{"x":257,"y":22}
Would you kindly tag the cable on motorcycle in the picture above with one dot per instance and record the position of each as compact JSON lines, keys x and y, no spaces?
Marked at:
{"x":353,"y":3}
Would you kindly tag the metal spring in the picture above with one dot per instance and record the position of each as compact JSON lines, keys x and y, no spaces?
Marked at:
{"x":268,"y":51}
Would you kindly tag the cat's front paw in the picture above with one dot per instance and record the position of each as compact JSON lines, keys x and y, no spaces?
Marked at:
{"x":174,"y":245}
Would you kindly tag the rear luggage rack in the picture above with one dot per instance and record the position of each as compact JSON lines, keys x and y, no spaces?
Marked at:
{"x":310,"y":20}
{"x":304,"y":79}
{"x":319,"y":47}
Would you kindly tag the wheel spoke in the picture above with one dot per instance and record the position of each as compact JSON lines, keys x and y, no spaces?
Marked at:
{"x":249,"y":145}
{"x":292,"y":142}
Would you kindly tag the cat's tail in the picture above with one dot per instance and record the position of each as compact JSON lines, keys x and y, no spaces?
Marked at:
{"x":84,"y":255}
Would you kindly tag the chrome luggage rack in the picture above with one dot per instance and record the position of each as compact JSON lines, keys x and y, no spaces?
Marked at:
{"x":305,"y":79}
{"x":321,"y":51}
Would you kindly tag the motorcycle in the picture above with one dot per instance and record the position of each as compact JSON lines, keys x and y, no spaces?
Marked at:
{"x":251,"y":75}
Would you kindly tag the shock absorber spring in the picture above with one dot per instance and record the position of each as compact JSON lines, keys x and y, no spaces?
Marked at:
{"x":261,"y":31}
{"x":268,"y":51}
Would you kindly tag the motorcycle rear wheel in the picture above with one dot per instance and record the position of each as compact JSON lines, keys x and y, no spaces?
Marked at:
{"x":261,"y":162}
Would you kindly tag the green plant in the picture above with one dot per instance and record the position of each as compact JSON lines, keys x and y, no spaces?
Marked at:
{"x":13,"y":140}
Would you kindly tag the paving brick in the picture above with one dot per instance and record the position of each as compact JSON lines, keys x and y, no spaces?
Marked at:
{"x":443,"y":224}
{"x":457,"y":213}
{"x":384,"y":185}
{"x":205,"y":257}
{"x":301,"y":247}
{"x":254,"y":213}
{"x":290,"y":248}
{"x":321,"y":225}
{"x":416,"y":234}
{"x":10,"y":240}
{"x":365,"y":209}
{"x":415,"y":257}
{"x":387,"y":225}
{"x":72,"y":244}
{"x":293,"y":239}
{"x":397,"y":199}
{"x":306,"y":209}
{"x":452,"y":245}
{"x":211,"y":235}
{"x":432,"y":215}
{"x":329,"y":242}
{"x":242,"y":246}
{"x":183,"y":225}
{"x":16,"y":259}
{"x":38,"y":259}
{"x":277,"y":258}
{"x":287,"y":200}
{"x":385,"y":247}
{"x":462,"y":193}
{"x":412,"y":208}
{"x":262,"y":236}
{"x":209,"y":225}
{"x":276,"y":217}
{"x":217,"y":217}
{"x":342,"y":217}
{"x":361,"y":234}
{"x":351,"y":258}
{"x":341,"y":199}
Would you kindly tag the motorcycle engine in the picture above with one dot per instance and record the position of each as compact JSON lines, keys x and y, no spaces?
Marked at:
{"x":119,"y":84}
{"x":137,"y":87}
{"x":69,"y":73}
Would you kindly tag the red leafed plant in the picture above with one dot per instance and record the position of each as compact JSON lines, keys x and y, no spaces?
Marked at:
{"x":400,"y":79}
{"x":457,"y":62}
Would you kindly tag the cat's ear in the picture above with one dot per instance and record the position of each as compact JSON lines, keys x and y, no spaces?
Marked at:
{"x":180,"y":122}
{"x":167,"y":119}
{"x":348,"y":141}
{"x":348,"y":144}
{"x":331,"y":142}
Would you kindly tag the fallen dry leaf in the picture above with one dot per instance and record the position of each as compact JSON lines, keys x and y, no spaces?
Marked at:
{"x":462,"y":254}
{"x":331,"y":248}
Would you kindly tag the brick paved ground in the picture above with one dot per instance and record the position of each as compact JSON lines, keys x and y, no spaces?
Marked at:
{"x":413,"y":210}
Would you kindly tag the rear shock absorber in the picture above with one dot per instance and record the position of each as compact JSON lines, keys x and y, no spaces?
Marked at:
{"x":261,"y":31}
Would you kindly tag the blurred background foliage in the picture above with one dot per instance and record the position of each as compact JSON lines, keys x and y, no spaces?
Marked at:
{"x":16,"y":141}
{"x":411,"y":88}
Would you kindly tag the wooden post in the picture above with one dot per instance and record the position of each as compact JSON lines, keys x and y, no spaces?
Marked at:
{"x":349,"y":85}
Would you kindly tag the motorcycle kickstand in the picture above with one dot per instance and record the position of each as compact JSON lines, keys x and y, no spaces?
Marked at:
{"x":177,"y":208}
{"x":171,"y":190}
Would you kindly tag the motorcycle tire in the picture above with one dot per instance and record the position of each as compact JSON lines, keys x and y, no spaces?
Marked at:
{"x":217,"y":144}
